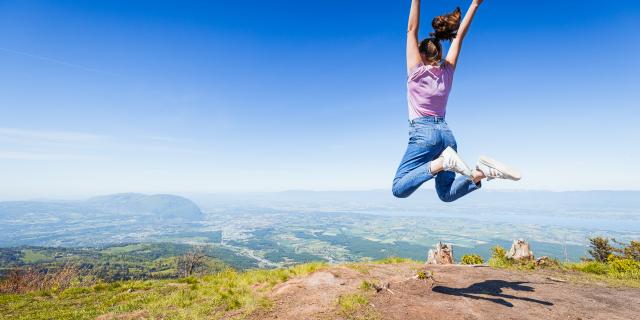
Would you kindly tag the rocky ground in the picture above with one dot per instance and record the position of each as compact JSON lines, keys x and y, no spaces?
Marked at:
{"x":454,"y":292}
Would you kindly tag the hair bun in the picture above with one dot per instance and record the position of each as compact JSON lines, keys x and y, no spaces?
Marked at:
{"x":445,"y":27}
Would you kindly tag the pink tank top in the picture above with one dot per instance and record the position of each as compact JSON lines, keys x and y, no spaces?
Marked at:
{"x":428,"y":89}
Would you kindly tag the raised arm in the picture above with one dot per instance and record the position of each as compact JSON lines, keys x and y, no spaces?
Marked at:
{"x":456,"y":44}
{"x":413,"y":54}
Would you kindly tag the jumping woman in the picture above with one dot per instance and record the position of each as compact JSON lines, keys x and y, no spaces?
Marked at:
{"x":432,"y":149}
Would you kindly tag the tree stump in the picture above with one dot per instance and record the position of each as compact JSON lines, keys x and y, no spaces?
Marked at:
{"x":443,"y":254}
{"x":520,"y":250}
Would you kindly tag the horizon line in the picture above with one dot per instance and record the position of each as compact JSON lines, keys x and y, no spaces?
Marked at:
{"x":187,"y":194}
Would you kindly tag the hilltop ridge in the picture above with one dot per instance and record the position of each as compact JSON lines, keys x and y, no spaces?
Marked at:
{"x":391,"y":289}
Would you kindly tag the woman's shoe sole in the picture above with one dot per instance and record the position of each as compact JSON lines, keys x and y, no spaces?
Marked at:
{"x":508,"y":172}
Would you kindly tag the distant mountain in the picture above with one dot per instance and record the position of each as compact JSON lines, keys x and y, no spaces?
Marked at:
{"x":161,"y":206}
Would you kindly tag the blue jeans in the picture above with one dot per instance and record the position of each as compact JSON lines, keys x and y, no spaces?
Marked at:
{"x":428,"y":137}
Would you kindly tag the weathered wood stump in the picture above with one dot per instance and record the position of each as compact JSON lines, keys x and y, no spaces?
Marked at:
{"x":520,"y":250}
{"x":443,"y":254}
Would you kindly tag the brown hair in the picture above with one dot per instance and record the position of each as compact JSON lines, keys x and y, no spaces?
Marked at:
{"x":445,"y":27}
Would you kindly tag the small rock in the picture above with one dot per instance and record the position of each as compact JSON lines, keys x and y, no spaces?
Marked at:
{"x":543,"y":261}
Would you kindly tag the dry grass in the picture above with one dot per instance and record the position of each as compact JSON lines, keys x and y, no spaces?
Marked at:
{"x":207,"y":297}
{"x":33,"y":279}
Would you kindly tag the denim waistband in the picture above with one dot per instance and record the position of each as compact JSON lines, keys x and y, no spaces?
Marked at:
{"x":427,"y":119}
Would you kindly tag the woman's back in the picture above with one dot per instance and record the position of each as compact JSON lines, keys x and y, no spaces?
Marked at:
{"x":428,"y":89}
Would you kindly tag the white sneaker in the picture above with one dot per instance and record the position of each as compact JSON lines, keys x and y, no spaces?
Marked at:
{"x":453,"y":162}
{"x":493,"y":169}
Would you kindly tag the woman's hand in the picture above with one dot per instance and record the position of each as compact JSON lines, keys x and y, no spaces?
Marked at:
{"x":477,"y":2}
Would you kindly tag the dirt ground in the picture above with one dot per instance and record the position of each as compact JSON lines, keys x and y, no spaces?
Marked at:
{"x":460,"y":292}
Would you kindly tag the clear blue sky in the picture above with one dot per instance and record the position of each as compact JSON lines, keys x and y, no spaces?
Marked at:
{"x":209,"y":96}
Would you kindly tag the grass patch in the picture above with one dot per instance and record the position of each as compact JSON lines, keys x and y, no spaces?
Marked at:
{"x":592,"y":267}
{"x":361,"y":268}
{"x":394,"y":260}
{"x":126,"y":248}
{"x":366,"y":285}
{"x":30,"y":256}
{"x":356,"y":306}
{"x":349,"y":303}
{"x":188,"y":298}
{"x":605,"y":279}
{"x":616,"y":271}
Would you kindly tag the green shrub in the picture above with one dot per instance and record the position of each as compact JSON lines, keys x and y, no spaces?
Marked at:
{"x":498,"y":252}
{"x":600,"y":249}
{"x":630,"y":250}
{"x":499,"y":258}
{"x":623,"y":265}
{"x":614,"y":269}
{"x":616,"y":262}
{"x":472,"y":259}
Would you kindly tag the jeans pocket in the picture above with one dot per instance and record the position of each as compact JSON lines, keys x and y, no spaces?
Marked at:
{"x":426,"y":137}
